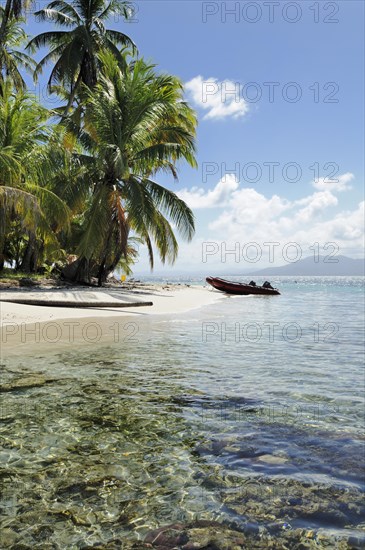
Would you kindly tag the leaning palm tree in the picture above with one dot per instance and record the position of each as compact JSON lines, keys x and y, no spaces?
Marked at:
{"x":74,"y":49}
{"x":24,"y":195}
{"x":136,"y":124}
{"x":12,"y":59}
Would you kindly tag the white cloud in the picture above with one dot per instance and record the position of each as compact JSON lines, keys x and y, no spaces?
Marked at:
{"x":336,"y":184}
{"x":221,"y":99}
{"x":244,"y":215}
{"x":347,"y":226}
{"x":316,"y":204}
{"x":257,"y":217}
{"x":249,"y":216}
{"x":219,"y":196}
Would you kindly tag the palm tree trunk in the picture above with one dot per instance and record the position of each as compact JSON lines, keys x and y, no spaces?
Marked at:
{"x":78,"y":271}
{"x":12,"y":9}
{"x":76,"y":304}
{"x":101,"y":271}
{"x":30,"y":257}
{"x":110,"y":268}
{"x":105,"y":269}
{"x":2,"y":236}
{"x":4,"y":22}
{"x":72,"y":95}
{"x":87,"y":75}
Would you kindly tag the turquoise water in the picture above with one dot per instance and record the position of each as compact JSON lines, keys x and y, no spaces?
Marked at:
{"x":248,"y":412}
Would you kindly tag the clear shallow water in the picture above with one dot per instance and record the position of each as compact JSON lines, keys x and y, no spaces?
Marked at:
{"x":248,"y":412}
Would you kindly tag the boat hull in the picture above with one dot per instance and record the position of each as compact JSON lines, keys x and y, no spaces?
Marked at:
{"x":231,"y":287}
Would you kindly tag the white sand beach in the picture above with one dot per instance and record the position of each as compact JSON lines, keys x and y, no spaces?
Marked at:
{"x":27,"y":324}
{"x":166,"y":300}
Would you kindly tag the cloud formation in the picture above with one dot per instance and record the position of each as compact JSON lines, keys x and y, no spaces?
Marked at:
{"x":220,"y":195}
{"x":221,"y":99}
{"x":339,"y":184}
{"x":246,"y":215}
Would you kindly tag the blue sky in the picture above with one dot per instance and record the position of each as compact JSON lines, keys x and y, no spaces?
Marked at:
{"x":310,"y":49}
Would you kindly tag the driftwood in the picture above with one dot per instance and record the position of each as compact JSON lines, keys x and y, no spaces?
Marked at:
{"x":69,"y":303}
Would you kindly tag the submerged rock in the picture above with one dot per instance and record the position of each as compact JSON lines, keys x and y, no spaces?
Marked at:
{"x":25,"y":383}
{"x":167,"y":537}
{"x":272,"y":459}
{"x":200,"y":535}
{"x":211,"y":535}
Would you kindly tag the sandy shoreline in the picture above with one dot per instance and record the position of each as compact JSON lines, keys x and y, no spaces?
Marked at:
{"x":166,"y":299}
{"x":28,"y":324}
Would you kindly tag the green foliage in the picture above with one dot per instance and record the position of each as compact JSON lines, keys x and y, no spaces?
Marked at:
{"x":12,"y":59}
{"x":74,"y":50}
{"x":136,"y":124}
{"x":25,"y":196}
{"x":87,"y":185}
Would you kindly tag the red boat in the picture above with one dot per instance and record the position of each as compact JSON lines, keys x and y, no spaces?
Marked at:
{"x":231,"y":287}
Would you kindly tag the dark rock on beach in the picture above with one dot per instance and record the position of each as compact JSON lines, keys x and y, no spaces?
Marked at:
{"x":27,"y":282}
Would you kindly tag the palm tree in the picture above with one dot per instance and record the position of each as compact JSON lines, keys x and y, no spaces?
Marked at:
{"x":75,"y":50}
{"x":24,"y":170}
{"x":11,"y":58}
{"x":13,"y":10}
{"x":136,"y":124}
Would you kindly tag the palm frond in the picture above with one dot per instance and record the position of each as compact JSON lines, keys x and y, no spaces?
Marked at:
{"x":172,"y":206}
{"x":53,"y":38}
{"x":57,"y":17}
{"x":66,"y":8}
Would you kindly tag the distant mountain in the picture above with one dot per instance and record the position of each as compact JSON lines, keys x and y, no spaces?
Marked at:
{"x":325,"y":266}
